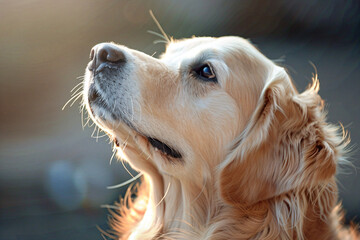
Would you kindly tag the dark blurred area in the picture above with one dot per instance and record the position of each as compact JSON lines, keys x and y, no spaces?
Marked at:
{"x":53,"y":175}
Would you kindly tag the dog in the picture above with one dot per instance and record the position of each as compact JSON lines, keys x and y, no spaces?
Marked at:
{"x":226,"y":145}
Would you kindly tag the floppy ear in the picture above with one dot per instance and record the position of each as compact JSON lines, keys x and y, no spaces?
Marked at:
{"x":286,"y":145}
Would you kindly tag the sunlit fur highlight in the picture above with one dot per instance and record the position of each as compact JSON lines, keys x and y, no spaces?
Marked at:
{"x":259,"y":157}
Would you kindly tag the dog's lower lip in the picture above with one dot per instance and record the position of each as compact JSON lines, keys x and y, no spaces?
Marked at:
{"x":157,"y":144}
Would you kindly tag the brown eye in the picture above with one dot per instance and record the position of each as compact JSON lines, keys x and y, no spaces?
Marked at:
{"x":206,"y":73}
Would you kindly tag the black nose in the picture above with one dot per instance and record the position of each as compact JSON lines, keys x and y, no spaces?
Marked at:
{"x":105,"y":53}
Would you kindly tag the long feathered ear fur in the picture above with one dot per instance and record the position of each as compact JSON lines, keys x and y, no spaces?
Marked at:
{"x":286,"y":145}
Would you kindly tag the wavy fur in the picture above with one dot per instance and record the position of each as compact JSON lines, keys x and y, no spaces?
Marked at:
{"x":258,"y":158}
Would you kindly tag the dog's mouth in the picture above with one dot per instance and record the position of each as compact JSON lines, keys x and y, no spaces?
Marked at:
{"x":95,"y":97}
{"x":164,"y":148}
{"x":158,"y":146}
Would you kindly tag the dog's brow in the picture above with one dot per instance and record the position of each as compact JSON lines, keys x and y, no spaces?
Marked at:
{"x":198,"y":59}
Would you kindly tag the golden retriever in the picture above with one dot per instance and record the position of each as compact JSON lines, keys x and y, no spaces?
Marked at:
{"x":228,"y":148}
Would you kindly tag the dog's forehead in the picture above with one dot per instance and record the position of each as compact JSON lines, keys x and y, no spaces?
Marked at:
{"x":228,"y":46}
{"x":189,"y":44}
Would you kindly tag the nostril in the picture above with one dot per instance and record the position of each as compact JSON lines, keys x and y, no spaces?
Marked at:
{"x":115,"y":56}
{"x":109,"y":53}
{"x":102,"y":55}
{"x":105,"y":53}
{"x":92,"y":54}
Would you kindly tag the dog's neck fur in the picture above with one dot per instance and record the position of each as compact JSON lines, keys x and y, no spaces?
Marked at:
{"x":183,"y":211}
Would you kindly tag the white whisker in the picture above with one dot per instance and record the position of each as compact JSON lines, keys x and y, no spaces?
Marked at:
{"x":74,"y":97}
{"x":162,"y":199}
{"x":92,"y":135}
{"x":156,"y":34}
{"x":110,"y":206}
{"x":127,"y":170}
{"x":132,"y":109}
{"x":82,"y":116}
{"x":112,"y":156}
{"x":159,"y":41}
{"x":97,"y":135}
{"x":87,"y":121}
{"x":125,"y":183}
{"x":76,"y":86}
{"x":77,"y":91}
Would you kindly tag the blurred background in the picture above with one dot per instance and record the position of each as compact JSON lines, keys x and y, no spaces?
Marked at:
{"x":53,"y":175}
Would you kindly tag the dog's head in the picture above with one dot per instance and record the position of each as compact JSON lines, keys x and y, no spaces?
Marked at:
{"x":212,"y":108}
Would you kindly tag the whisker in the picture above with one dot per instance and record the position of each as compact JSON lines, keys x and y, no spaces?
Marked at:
{"x":87,"y":121}
{"x":122,"y":162}
{"x":110,"y":206}
{"x":132,"y":109}
{"x":162,"y":199}
{"x":76,"y":86}
{"x":159,"y":41}
{"x":281,"y":59}
{"x":97,"y":136}
{"x":125,"y":183}
{"x":76,"y":96}
{"x":125,"y":143}
{"x":77,"y":90}
{"x":157,"y":34}
{"x":92,"y":135}
{"x":112,"y":156}
{"x":104,"y":135}
{"x":82,"y":116}
{"x":159,"y":26}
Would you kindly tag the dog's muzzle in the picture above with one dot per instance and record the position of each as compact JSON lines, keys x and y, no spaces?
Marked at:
{"x":107,"y":59}
{"x":103,"y":56}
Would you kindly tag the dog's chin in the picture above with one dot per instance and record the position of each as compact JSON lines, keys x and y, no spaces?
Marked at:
{"x":125,"y":136}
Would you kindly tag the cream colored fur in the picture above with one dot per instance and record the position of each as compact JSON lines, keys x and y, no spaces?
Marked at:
{"x":259,"y":159}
